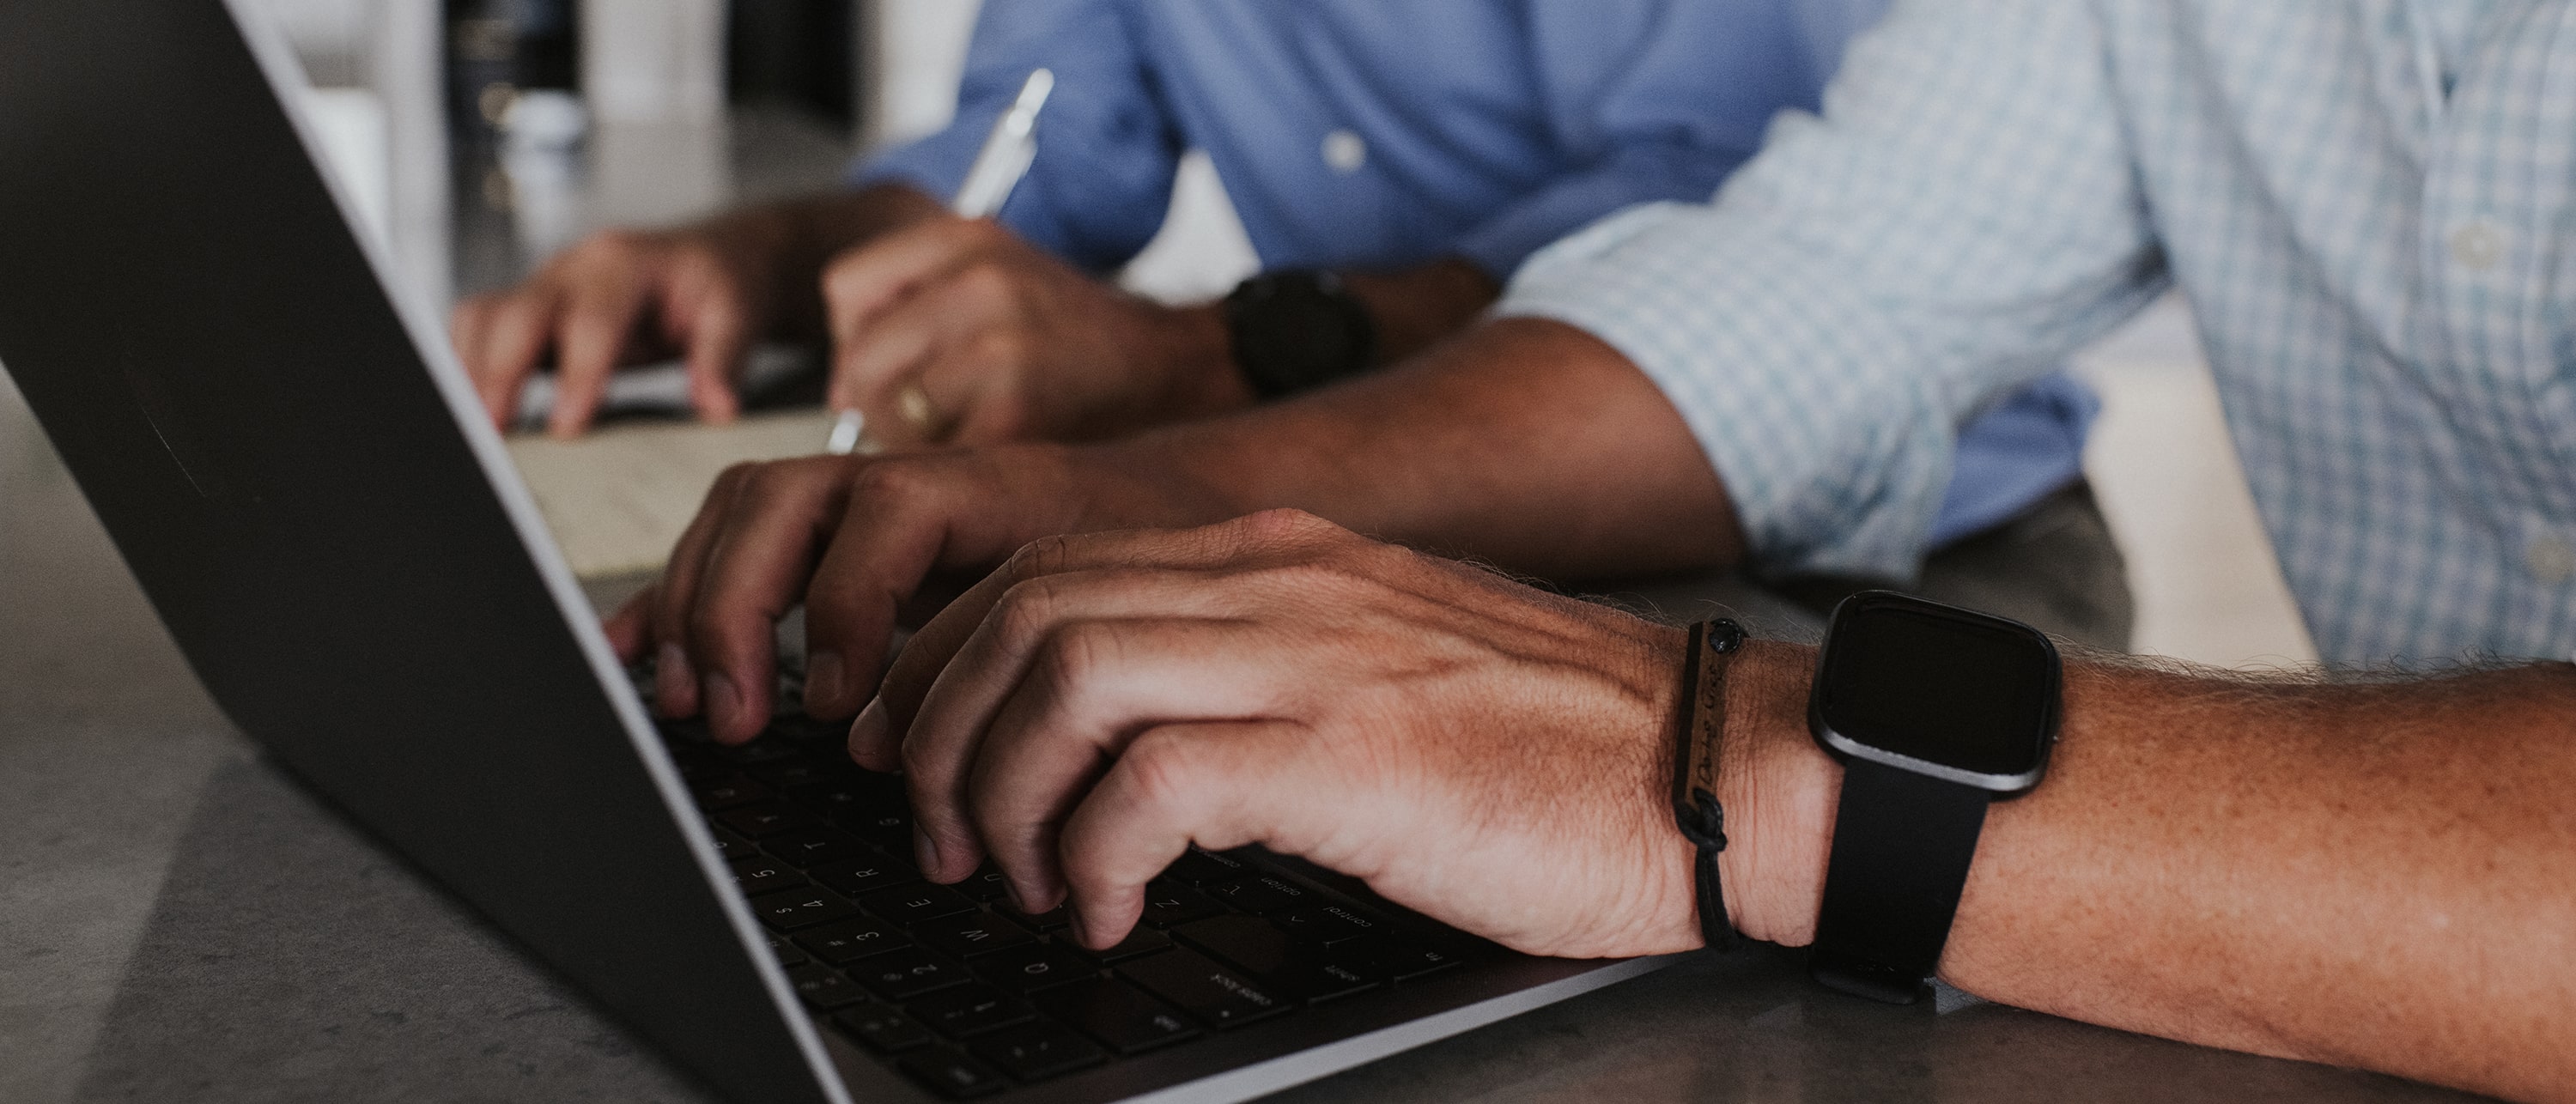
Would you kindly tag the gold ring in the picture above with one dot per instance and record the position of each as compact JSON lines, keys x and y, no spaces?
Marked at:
{"x":914,"y":404}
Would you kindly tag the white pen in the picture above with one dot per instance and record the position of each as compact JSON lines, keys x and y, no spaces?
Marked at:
{"x":1008,"y":151}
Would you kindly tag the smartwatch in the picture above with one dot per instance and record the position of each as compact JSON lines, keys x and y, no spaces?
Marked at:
{"x":1297,"y":329}
{"x":1934,"y":712}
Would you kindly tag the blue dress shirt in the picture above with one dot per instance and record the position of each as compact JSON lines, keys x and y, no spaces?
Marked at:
{"x":1376,"y":134}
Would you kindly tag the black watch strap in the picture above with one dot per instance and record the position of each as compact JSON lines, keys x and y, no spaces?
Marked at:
{"x":1296,"y":330}
{"x":1902,"y":844}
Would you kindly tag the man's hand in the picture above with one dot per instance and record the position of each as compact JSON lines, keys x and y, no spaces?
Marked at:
{"x":703,"y":292}
{"x":621,"y":297}
{"x":868,"y":533}
{"x":956,"y":330}
{"x":1490,"y":755}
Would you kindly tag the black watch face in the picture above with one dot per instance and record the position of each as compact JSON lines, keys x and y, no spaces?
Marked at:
{"x":1960,"y":690}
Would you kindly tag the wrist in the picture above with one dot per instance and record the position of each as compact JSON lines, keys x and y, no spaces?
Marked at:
{"x":1199,"y":377}
{"x":1778,"y":789}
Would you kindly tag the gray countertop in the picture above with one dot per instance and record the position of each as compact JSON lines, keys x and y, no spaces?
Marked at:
{"x":180,"y":920}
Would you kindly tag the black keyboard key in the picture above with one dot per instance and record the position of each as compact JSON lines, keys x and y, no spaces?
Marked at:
{"x":951,"y":1074}
{"x":889,"y":828}
{"x":1196,"y":867}
{"x":823,"y":988}
{"x":1140,"y":941}
{"x":1050,"y":920}
{"x":688,"y":732}
{"x":862,"y":876}
{"x":882,"y":1027}
{"x":986,"y":884}
{"x":785,"y":952}
{"x":1246,"y":941}
{"x":790,"y":773}
{"x":727,"y":791}
{"x":1036,"y":1051}
{"x":909,"y":905}
{"x":962,"y":1011}
{"x":801,"y":908}
{"x":1220,"y":995}
{"x":764,"y":875}
{"x":815,"y":846}
{"x":1168,"y":904}
{"x":853,"y":939}
{"x":763,"y":819}
{"x":971,"y":934}
{"x":1328,"y":924}
{"x":755,"y":753}
{"x":1403,"y":960}
{"x":854,"y":792}
{"x":1268,"y":893}
{"x":731,"y":845}
{"x":907,"y":973}
{"x":1117,"y":1013}
{"x":1270,"y":956}
{"x":1034,"y":966}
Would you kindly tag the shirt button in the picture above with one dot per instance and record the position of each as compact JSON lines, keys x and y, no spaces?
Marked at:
{"x":2478,"y":246}
{"x":1345,"y":151}
{"x":2551,"y":560}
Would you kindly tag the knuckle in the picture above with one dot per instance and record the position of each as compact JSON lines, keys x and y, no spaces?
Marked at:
{"x":885,"y":482}
{"x":1024,"y":610}
{"x":1044,"y":556}
{"x":928,"y":771}
{"x":1163,"y":769}
{"x":1287,"y":523}
{"x":1077,"y":655}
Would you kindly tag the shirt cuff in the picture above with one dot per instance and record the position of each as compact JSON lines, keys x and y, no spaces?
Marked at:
{"x":1834,"y":455}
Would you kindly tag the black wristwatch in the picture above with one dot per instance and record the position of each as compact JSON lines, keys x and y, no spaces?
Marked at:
{"x":1296,"y":330}
{"x":1935,"y":712}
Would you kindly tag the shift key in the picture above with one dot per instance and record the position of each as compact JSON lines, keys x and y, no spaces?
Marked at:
{"x":1221,"y":995}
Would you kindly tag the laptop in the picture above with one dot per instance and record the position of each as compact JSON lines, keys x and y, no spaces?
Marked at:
{"x":297,"y":471}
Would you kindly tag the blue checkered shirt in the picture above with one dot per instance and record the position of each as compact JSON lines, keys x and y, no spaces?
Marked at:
{"x":2371,"y":206}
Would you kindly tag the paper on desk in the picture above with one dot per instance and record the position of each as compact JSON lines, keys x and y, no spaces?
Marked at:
{"x":619,"y":497}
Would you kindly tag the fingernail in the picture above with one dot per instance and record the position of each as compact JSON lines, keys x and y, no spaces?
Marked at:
{"x":925,"y":852}
{"x":823,"y":682}
{"x":724,"y":703}
{"x":671,"y":677}
{"x":869,"y":731}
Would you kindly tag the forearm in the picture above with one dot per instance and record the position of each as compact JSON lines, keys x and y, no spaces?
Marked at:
{"x":1523,"y":441}
{"x":2379,"y":876}
{"x":1416,"y":307}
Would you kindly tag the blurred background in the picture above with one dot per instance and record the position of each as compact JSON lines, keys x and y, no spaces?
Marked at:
{"x":477,"y":137}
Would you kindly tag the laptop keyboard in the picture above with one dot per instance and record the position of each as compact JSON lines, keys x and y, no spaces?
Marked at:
{"x":967,"y":995}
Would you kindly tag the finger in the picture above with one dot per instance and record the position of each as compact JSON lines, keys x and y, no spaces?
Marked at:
{"x":591,"y":339}
{"x":715,"y":332}
{"x":1039,"y":632}
{"x":516,"y":334}
{"x":675,"y":680}
{"x":630,"y":628}
{"x":902,"y":519}
{"x":979,"y":387}
{"x":754,"y":571}
{"x":1217,"y":784}
{"x":1089,"y":690}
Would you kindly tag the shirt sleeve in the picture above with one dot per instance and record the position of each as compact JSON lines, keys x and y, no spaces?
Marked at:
{"x":1961,"y":215}
{"x":1106,"y":145}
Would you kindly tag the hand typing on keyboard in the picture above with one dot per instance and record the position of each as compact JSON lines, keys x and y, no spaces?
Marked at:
{"x":1476,"y":750}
